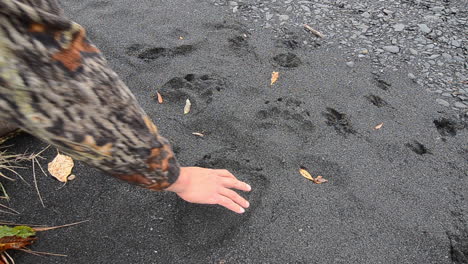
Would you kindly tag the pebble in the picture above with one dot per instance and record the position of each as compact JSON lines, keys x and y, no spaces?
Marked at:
{"x":411,"y":76}
{"x":366,"y":15}
{"x":350,"y":64}
{"x":456,"y":43}
{"x":413,"y":51}
{"x":392,"y":49}
{"x":399,"y":27}
{"x":442,"y":102}
{"x":283,"y":17}
{"x":424,"y":28}
{"x":460,"y":105}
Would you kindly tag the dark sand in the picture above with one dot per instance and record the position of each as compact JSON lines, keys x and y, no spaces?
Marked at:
{"x":396,"y":195}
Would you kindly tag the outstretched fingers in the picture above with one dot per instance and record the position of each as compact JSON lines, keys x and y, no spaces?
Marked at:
{"x":235,"y":197}
{"x":236,"y":184}
{"x":230,"y":204}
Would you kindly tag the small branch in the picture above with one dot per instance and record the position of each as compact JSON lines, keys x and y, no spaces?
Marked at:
{"x":39,"y":229}
{"x":38,"y":253}
{"x":35,"y":182}
{"x":314,"y":31}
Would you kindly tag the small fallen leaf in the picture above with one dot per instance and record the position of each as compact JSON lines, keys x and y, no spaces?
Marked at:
{"x":303,"y":171}
{"x":274,"y":77}
{"x":187,"y":106}
{"x":60,"y":167}
{"x":377,"y":127}
{"x":160,"y":99}
{"x":198,"y":134}
{"x":320,"y":180}
{"x":71,"y":177}
{"x":181,"y":38}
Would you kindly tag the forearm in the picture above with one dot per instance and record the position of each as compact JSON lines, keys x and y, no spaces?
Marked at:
{"x":56,"y":85}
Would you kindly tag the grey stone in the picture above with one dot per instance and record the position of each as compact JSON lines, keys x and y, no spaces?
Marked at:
{"x":460,"y":105}
{"x":366,"y":15}
{"x":447,"y":56}
{"x":283,"y":17}
{"x":447,"y":94}
{"x":233,"y":3}
{"x":437,"y":9}
{"x":350,"y":64}
{"x":399,"y":27}
{"x":443,"y":102}
{"x":305,"y":8}
{"x":413,"y":51}
{"x":456,"y":43}
{"x":411,"y":76}
{"x":392,"y":49}
{"x":268,"y":16}
{"x":424,"y":28}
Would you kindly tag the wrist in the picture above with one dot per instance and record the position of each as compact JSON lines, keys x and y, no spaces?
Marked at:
{"x":181,"y":182}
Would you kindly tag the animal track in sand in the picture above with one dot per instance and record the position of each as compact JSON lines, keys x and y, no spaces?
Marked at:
{"x":199,"y":88}
{"x":376,"y":100}
{"x":288,"y":116}
{"x":287,"y":60}
{"x":381,"y":83}
{"x":446,"y":127}
{"x":339,"y":121}
{"x":418,"y":148}
{"x":149,"y":54}
{"x":211,"y":226}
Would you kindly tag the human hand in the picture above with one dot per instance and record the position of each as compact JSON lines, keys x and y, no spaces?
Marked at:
{"x":210,"y":186}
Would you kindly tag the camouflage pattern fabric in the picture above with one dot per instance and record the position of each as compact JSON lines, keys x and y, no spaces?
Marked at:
{"x":56,"y":85}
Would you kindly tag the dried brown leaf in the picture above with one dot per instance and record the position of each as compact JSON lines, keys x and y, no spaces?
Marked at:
{"x":160,"y":99}
{"x":379,"y":126}
{"x":60,"y":167}
{"x":187,"y":106}
{"x":320,"y":180}
{"x":303,"y":171}
{"x":274,"y":77}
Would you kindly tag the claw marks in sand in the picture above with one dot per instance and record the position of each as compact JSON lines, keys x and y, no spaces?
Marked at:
{"x":447,"y":127}
{"x":149,"y":54}
{"x":287,"y":60}
{"x":382,"y":84}
{"x":376,"y":100}
{"x":286,"y":115}
{"x":339,"y":121}
{"x":418,"y":148}
{"x":199,"y":88}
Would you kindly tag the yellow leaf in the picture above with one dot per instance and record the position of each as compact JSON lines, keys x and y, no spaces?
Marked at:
{"x":377,"y":127}
{"x":305,"y":173}
{"x":187,"y":106}
{"x":71,"y":177}
{"x":181,"y":38}
{"x":198,"y":134}
{"x":274,"y":77}
{"x":320,"y":180}
{"x":60,"y":167}
{"x":160,"y":99}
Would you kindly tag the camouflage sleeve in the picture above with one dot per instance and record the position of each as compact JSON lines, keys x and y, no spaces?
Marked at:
{"x":57,"y":86}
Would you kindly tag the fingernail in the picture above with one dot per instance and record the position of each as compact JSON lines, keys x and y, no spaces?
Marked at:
{"x":242,"y":210}
{"x":247,"y":204}
{"x":248,"y":187}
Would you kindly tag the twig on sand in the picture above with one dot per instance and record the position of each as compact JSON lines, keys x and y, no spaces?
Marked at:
{"x":314,"y":31}
{"x":39,"y":229}
{"x":38,"y":253}
{"x":9,"y":208}
{"x":34,"y":160}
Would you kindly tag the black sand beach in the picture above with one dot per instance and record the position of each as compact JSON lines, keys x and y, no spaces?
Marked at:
{"x":395,"y":195}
